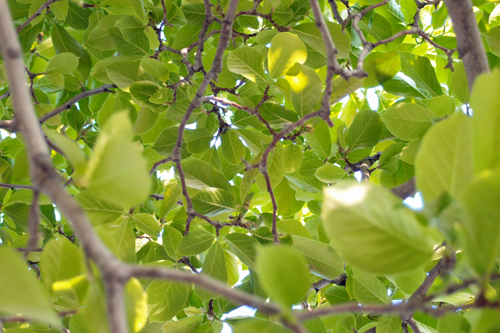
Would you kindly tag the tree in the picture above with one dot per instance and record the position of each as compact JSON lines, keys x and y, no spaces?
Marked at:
{"x":266,"y":111}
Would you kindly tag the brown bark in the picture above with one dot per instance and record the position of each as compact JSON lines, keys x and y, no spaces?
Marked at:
{"x":469,"y":43}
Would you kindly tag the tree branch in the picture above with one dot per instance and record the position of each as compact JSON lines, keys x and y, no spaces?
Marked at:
{"x":225,"y":36}
{"x":206,"y":283}
{"x":45,"y":179}
{"x":469,"y":44}
{"x":74,"y":100}
{"x":35,"y":15}
{"x":33,"y":223}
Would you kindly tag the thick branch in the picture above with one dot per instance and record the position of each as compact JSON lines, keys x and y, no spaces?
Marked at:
{"x":45,"y":178}
{"x":469,"y":44}
{"x":33,"y":223}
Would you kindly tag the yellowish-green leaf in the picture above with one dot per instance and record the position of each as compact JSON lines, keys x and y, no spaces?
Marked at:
{"x":63,"y":63}
{"x":305,"y":88}
{"x":408,"y":121}
{"x":72,"y":151}
{"x":23,"y":293}
{"x":330,"y":173}
{"x":166,"y":299}
{"x":284,"y":274}
{"x":482,"y":227}
{"x":232,"y":148}
{"x":286,"y":49}
{"x":172,"y":194}
{"x":486,"y":122}
{"x":444,"y":160}
{"x":368,"y":289}
{"x":393,"y":240}
{"x":116,"y":171}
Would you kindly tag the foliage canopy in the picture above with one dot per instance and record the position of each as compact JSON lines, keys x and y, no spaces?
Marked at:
{"x":214,"y":147}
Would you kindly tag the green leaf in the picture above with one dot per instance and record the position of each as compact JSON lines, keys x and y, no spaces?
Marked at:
{"x":286,"y":49}
{"x":292,"y":157}
{"x":172,"y":194}
{"x":319,"y":140}
{"x":380,"y":68}
{"x":393,"y":240}
{"x":305,"y":88}
{"x":321,"y":257}
{"x":98,"y":211}
{"x":390,"y":323}
{"x":255,"y":140}
{"x":25,"y":295}
{"x":444,"y":162}
{"x":139,"y":45}
{"x":62,"y":63}
{"x":284,"y":274}
{"x":77,"y":17}
{"x":421,"y":71}
{"x":200,"y":174}
{"x":311,"y":35}
{"x":147,"y":224}
{"x":493,"y":39}
{"x":275,"y":167}
{"x":195,"y":242}
{"x":441,"y":105}
{"x":186,"y":36}
{"x":155,"y":68}
{"x":124,"y":73}
{"x":409,"y":153}
{"x":198,"y":140}
{"x":337,"y":295}
{"x":130,"y":27}
{"x":482,"y":230}
{"x":285,"y":197}
{"x":329,"y":173}
{"x":277,"y":115}
{"x":232,"y":148}
{"x":243,"y":246}
{"x":60,"y":261}
{"x":247,"y":61}
{"x":408,"y":121}
{"x":143,"y":91}
{"x":213,"y":201}
{"x":408,"y":282}
{"x":485,"y":122}
{"x":123,"y":238}
{"x":194,"y":13}
{"x":135,"y":305}
{"x":458,"y":83}
{"x":166,"y":140}
{"x":72,"y":151}
{"x":60,"y":9}
{"x":170,"y":239}
{"x":293,"y":227}
{"x":64,"y":42}
{"x":117,"y":172}
{"x":453,"y":323}
{"x":368,"y":289}
{"x":185,"y":325}
{"x":166,"y":299}
{"x":365,"y":130}
{"x":258,"y":325}
{"x":215,"y":267}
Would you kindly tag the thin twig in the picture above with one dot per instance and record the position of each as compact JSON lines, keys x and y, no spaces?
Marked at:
{"x":74,"y":100}
{"x":35,"y":15}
